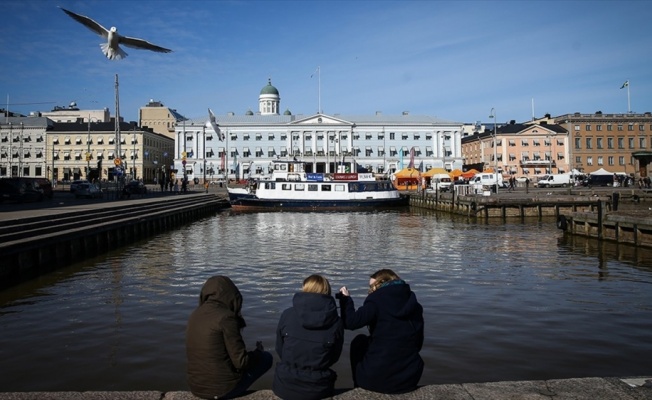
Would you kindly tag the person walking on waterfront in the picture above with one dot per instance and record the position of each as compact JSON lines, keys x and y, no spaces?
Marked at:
{"x":388,"y":360}
{"x":309,"y":340}
{"x":219,"y":365}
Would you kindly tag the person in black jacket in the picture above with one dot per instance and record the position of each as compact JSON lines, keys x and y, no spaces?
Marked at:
{"x":309,"y":341}
{"x":388,"y":360}
{"x":219,"y":365}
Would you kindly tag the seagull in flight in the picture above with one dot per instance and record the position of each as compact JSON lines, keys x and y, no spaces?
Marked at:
{"x":111,"y":48}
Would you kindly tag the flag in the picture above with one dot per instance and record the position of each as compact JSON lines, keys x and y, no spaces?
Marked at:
{"x":411,"y":164}
{"x":401,"y":164}
{"x":421,"y":166}
{"x":316,"y":72}
{"x":625,"y":85}
{"x":213,"y":124}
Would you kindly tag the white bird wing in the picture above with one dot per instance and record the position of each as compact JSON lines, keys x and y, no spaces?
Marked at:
{"x":142,"y":44}
{"x":88,"y":22}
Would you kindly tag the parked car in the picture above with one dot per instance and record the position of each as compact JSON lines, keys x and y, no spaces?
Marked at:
{"x":46,"y":185}
{"x":441,"y":182}
{"x":75,"y":184}
{"x":135,"y":187}
{"x":89,"y":190}
{"x":20,"y":190}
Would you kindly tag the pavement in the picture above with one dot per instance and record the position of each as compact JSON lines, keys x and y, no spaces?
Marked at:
{"x":554,"y":389}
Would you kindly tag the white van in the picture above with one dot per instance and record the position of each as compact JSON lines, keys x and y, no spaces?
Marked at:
{"x":555,"y":180}
{"x":441,"y":182}
{"x":482,"y":179}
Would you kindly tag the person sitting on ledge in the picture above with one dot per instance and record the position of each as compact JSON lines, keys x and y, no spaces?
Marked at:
{"x":388,"y":360}
{"x":219,"y":365}
{"x":309,"y":340}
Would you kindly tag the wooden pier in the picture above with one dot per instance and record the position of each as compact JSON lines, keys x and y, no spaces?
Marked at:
{"x":593,"y":214}
{"x":537,"y":205}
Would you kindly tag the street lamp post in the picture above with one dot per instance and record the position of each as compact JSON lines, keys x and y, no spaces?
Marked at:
{"x":493,"y":115}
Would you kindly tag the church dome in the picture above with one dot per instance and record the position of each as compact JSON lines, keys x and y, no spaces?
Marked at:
{"x":287,"y":112}
{"x":249,"y":112}
{"x":269,"y":89}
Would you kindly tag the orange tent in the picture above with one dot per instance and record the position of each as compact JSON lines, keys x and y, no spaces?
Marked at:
{"x":455,"y":173}
{"x":406,"y":179}
{"x":469,"y":174}
{"x":432,"y":171}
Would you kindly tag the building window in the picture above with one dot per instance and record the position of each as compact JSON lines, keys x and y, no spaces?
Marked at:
{"x":610,"y":160}
{"x":610,"y":143}
{"x":598,"y":127}
{"x":577,"y":128}
{"x":631,"y":142}
{"x":381,"y":136}
{"x":641,"y":143}
{"x":598,"y":143}
{"x":392,"y":136}
{"x":588,"y":127}
{"x":578,"y":160}
{"x":630,"y":127}
{"x":589,"y":161}
{"x":600,"y":160}
{"x":621,"y":143}
{"x":641,"y":128}
{"x":621,"y":160}
{"x":589,"y":145}
{"x":610,"y":127}
{"x":620,"y":127}
{"x":428,"y":136}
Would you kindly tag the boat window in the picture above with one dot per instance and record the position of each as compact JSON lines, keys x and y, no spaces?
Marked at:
{"x":325,"y":188}
{"x":353,"y":187}
{"x":286,"y":186}
{"x":270,"y":185}
{"x":283,"y":167}
{"x":300,"y":186}
{"x":313,"y":187}
{"x":340,"y":188}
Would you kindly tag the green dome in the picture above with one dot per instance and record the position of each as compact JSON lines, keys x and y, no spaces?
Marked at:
{"x":269,"y":89}
{"x":287,"y":112}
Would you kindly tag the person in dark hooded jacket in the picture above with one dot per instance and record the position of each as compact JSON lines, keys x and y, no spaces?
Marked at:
{"x":388,"y":360}
{"x":219,"y":365}
{"x":309,"y":341}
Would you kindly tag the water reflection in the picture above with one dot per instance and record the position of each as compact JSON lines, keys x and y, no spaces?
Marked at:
{"x":503,"y":301}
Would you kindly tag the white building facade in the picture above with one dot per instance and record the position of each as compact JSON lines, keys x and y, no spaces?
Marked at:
{"x":245,"y":145}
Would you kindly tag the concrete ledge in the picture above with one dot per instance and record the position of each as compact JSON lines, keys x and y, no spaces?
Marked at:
{"x":555,"y":389}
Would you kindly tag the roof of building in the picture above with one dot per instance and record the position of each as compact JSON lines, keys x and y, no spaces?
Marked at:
{"x":286,"y":118}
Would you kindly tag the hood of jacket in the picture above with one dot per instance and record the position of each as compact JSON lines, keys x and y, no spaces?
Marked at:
{"x":221,"y":291}
{"x":315,"y":311}
{"x":397,"y":299}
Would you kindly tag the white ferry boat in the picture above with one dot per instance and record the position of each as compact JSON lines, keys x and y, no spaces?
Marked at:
{"x":290,"y":187}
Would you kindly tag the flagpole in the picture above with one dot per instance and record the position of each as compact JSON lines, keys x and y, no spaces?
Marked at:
{"x":319,"y":89}
{"x":629,"y":107}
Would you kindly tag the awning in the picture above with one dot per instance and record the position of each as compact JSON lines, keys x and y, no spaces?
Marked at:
{"x":111,"y":154}
{"x":124,"y":155}
{"x":66,"y":154}
{"x":78,"y":139}
{"x":99,"y":154}
{"x":76,"y":170}
{"x":381,"y":149}
{"x":259,"y":149}
{"x":78,"y":154}
{"x":392,"y":148}
{"x":428,"y":148}
{"x":512,"y":142}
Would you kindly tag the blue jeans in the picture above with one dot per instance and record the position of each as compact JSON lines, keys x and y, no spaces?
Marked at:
{"x":262,"y":363}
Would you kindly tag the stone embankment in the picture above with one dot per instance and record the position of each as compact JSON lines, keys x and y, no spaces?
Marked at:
{"x":37,"y":241}
{"x":554,"y":389}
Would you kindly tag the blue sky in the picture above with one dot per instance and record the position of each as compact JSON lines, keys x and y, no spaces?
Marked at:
{"x":453,"y":60}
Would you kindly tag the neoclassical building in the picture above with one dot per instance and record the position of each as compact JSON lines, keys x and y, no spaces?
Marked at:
{"x":246,"y":144}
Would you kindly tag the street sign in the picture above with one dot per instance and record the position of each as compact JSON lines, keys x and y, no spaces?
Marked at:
{"x":117,"y":161}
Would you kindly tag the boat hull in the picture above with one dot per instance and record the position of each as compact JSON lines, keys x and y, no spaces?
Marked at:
{"x":252,"y":203}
